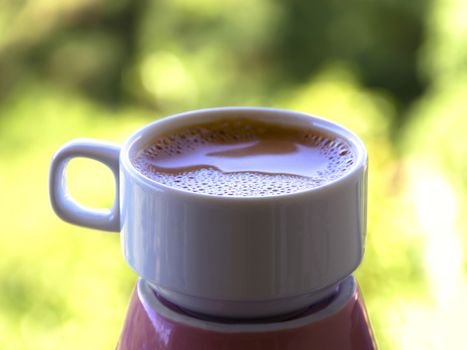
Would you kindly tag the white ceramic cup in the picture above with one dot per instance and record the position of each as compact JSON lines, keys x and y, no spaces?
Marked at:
{"x":222,"y":255}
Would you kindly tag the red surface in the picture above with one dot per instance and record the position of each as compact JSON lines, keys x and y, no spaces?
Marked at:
{"x":347,"y":329}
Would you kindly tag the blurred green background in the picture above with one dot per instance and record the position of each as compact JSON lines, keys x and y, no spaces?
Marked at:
{"x":393,"y":71}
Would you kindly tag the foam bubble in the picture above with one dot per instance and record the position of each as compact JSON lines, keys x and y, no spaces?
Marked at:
{"x":215,"y":182}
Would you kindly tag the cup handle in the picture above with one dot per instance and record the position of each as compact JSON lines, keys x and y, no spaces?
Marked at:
{"x":64,"y":205}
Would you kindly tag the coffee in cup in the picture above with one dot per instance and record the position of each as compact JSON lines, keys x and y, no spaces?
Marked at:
{"x":244,"y":157}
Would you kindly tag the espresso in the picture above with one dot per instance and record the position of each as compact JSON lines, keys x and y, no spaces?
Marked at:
{"x":244,"y":158}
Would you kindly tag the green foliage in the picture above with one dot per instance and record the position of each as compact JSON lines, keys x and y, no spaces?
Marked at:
{"x":54,"y":276}
{"x":391,"y":71}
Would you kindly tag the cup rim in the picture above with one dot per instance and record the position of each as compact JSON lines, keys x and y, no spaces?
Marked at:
{"x":318,"y":123}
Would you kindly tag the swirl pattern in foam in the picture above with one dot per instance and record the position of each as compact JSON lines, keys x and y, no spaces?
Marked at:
{"x":246,"y":158}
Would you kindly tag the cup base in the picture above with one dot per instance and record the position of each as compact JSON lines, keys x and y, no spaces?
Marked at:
{"x":227,"y":309}
{"x":340,"y":324}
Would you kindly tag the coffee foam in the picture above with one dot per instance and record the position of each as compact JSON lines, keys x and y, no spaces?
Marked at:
{"x":213,"y":181}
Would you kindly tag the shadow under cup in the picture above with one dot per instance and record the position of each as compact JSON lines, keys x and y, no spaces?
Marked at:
{"x":242,"y":257}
